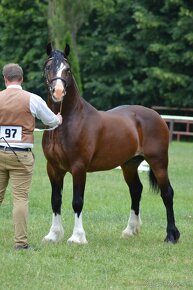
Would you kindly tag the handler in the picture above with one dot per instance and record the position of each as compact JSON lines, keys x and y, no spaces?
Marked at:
{"x":18,"y":109}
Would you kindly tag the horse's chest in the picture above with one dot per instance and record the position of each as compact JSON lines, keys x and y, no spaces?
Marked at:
{"x":56,"y":154}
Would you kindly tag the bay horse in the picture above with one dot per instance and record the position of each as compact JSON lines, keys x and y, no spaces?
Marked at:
{"x":89,"y":140}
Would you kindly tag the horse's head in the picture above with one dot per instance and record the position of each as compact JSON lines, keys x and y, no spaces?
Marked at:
{"x":57,"y":72}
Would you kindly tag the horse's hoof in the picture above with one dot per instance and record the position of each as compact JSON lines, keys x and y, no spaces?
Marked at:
{"x":71,"y":242}
{"x":126,"y":235}
{"x":79,"y":240}
{"x":53,"y":237}
{"x":170,"y":240}
{"x":172,"y":237}
{"x":130,"y":232}
{"x":48,"y":240}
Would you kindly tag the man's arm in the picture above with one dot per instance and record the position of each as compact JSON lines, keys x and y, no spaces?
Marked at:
{"x":40,"y":110}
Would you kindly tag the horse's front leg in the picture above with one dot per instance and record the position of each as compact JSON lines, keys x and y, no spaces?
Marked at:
{"x":56,"y":232}
{"x":79,"y":180}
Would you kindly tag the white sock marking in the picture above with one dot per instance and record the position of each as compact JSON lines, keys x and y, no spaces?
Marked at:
{"x":133,"y":226}
{"x":56,"y":232}
{"x":78,"y":235}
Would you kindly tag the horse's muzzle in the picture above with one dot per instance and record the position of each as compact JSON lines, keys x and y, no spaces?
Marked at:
{"x":58,"y":91}
{"x":58,"y":99}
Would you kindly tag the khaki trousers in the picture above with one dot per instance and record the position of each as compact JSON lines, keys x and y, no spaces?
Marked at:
{"x":18,"y":169}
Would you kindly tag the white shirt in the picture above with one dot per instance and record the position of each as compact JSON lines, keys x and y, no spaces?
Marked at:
{"x":39,"y":110}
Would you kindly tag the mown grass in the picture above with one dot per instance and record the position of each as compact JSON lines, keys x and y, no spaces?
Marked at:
{"x":108,"y":261}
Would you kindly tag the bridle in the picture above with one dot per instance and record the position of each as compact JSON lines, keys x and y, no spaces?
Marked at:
{"x":49,"y":82}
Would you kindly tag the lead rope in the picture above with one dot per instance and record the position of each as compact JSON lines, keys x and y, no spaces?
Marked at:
{"x":61,"y":106}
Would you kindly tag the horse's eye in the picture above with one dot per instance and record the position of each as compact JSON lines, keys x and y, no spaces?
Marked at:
{"x":48,"y":67}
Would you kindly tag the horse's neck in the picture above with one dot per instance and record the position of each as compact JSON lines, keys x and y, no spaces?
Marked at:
{"x":72,"y":105}
{"x":72,"y":101}
{"x":54,"y":107}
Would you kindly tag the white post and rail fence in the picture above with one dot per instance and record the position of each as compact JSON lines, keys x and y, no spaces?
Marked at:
{"x":179,"y":125}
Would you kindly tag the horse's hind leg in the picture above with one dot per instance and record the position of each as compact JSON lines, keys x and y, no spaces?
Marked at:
{"x":132,"y":179}
{"x":56,"y":232}
{"x":159,"y":177}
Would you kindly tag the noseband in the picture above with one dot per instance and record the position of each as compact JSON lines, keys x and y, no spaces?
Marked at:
{"x":49,"y":82}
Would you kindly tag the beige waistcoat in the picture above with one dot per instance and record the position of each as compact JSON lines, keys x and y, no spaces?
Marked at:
{"x":15,"y":111}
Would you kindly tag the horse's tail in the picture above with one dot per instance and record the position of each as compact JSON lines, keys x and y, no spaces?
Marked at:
{"x":153,"y":181}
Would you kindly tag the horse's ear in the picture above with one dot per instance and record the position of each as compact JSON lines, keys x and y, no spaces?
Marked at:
{"x":49,"y":48}
{"x":67,"y":50}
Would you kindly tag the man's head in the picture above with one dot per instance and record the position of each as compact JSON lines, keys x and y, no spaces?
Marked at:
{"x":13,"y":73}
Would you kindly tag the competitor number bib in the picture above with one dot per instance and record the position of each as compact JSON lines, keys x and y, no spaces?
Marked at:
{"x":11,"y":133}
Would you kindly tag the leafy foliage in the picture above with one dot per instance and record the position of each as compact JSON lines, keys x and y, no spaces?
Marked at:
{"x":65,"y":19}
{"x":139,"y":52}
{"x":122,"y":51}
{"x":23,"y":37}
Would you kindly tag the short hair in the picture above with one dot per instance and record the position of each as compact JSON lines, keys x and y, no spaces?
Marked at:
{"x":13,"y":72}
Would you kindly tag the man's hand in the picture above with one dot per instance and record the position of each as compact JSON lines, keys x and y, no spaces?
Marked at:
{"x":60,"y":118}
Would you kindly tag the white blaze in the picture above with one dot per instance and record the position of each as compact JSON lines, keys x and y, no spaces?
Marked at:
{"x":59,"y":88}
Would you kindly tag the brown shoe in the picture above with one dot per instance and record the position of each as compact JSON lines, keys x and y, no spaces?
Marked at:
{"x":23,"y":247}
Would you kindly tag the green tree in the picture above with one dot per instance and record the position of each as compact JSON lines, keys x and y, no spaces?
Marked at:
{"x":165,"y":28}
{"x":135,"y":52}
{"x":64,"y":21}
{"x":23,"y":37}
{"x":138,"y":52}
{"x":110,"y":55}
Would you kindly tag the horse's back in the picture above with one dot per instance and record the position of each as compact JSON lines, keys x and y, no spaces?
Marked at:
{"x":151,"y":128}
{"x":148,"y":119}
{"x":152,"y":125}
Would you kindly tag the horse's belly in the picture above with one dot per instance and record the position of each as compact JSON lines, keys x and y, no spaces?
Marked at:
{"x":110,"y":157}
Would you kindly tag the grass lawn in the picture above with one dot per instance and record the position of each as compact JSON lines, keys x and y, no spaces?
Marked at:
{"x":108,"y":261}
